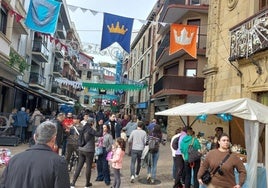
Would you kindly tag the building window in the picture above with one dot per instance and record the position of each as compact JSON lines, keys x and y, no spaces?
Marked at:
{"x":190,"y":68}
{"x":263,"y":4}
{"x":143,"y":45}
{"x":262,"y":97}
{"x":171,"y":69}
{"x":88,"y":75}
{"x":196,"y":22}
{"x":3,"y":20}
{"x":141,"y":70}
{"x":149,"y":37}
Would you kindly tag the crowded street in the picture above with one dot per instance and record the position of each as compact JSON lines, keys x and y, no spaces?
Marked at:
{"x":163,"y":177}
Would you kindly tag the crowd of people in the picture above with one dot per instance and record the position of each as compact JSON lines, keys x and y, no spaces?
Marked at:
{"x":103,"y":138}
{"x":221,"y":168}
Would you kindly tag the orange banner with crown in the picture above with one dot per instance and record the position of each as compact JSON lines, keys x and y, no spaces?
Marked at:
{"x":183,"y":37}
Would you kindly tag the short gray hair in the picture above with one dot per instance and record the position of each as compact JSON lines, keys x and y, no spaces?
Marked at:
{"x":45,"y":132}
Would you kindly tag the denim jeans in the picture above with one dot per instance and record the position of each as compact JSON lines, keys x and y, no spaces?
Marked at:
{"x":105,"y":168}
{"x":135,"y":156}
{"x":151,"y":169}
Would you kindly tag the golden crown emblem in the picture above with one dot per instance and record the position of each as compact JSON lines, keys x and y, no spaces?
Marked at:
{"x":117,"y":29}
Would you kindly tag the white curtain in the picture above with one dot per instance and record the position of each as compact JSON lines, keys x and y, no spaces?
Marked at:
{"x":252,"y":142}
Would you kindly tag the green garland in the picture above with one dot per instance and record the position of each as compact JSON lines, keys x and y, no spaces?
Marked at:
{"x":115,"y":87}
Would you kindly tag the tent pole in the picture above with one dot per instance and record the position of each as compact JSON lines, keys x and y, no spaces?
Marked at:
{"x":193,"y":121}
{"x":183,"y":121}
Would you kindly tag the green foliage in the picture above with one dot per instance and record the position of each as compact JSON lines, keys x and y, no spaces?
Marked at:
{"x":16,"y":59}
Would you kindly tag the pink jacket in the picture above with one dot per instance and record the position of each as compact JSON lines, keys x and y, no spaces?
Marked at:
{"x":117,"y":159}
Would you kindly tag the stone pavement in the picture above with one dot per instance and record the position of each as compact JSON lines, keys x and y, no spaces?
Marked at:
{"x":163,"y":177}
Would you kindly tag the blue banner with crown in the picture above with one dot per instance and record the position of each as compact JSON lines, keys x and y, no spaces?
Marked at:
{"x":116,"y":29}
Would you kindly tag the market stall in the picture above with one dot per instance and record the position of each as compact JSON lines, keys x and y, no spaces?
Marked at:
{"x":252,"y":112}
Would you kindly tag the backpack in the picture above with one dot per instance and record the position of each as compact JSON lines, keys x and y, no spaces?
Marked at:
{"x":193,"y":155}
{"x":175,"y":143}
{"x":153,"y":144}
{"x":81,"y":140}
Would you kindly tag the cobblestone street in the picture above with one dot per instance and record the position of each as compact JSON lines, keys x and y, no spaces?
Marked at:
{"x":163,"y":177}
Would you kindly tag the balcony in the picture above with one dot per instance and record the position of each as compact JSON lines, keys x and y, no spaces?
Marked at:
{"x":173,"y":10}
{"x":20,"y":25}
{"x":37,"y":80}
{"x":182,"y":84}
{"x":59,"y":53}
{"x":57,"y":70}
{"x":39,"y":51}
{"x":162,"y":53}
{"x":61,"y":30}
{"x":249,"y":37}
{"x":56,"y":90}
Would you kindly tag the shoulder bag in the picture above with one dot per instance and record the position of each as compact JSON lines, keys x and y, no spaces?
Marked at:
{"x":207,"y":176}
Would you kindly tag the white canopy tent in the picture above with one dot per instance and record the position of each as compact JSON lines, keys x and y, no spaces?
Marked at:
{"x":251,"y":111}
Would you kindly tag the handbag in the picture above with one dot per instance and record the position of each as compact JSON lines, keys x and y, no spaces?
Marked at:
{"x":109,"y":155}
{"x":207,"y":176}
{"x":193,"y":154}
{"x":98,"y":151}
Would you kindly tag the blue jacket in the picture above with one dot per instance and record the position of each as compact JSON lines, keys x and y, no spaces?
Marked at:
{"x":21,"y":119}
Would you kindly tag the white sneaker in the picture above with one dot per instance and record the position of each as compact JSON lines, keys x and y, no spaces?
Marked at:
{"x":72,"y":187}
{"x":136,"y":175}
{"x":132,"y":179}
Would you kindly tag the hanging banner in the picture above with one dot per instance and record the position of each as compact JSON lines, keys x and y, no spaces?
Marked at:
{"x":116,"y":29}
{"x":43,"y":16}
{"x":183,"y":37}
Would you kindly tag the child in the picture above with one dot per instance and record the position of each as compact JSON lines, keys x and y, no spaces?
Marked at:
{"x":117,"y":160}
{"x":123,"y":135}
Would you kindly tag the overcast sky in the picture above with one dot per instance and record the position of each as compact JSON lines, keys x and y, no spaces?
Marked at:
{"x":89,"y":26}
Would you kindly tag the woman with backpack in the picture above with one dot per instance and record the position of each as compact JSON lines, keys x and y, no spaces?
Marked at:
{"x":86,"y":150}
{"x":154,"y":140}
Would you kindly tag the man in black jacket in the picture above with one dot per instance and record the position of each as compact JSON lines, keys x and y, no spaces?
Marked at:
{"x":38,"y":166}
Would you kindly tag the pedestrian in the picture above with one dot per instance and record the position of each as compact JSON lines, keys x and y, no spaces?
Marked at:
{"x":58,"y":121}
{"x":72,"y":138}
{"x":115,"y":126}
{"x":117,"y":160}
{"x":150,"y":127}
{"x":138,"y":138}
{"x":38,"y":166}
{"x":179,"y":161}
{"x":173,"y":152}
{"x":86,"y":152}
{"x":218,"y":132}
{"x":35,"y":120}
{"x":224,"y":176}
{"x":153,"y":156}
{"x":125,"y":120}
{"x":105,"y":142}
{"x":131,"y":126}
{"x":21,"y":123}
{"x":67,"y":123}
{"x":99,"y":124}
{"x":188,"y":166}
